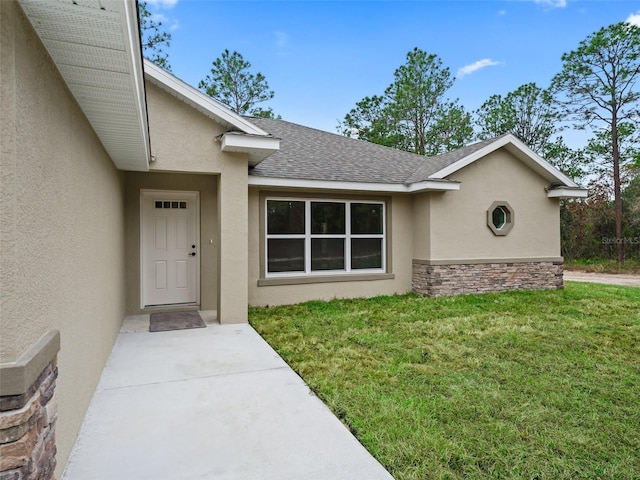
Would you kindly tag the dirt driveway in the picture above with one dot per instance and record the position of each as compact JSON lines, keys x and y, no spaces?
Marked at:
{"x":611,"y":279}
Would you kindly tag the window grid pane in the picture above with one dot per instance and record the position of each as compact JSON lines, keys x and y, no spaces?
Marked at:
{"x":285,"y":255}
{"x":366,"y":253}
{"x":336,"y":236}
{"x":327,"y":254}
{"x":285,"y":217}
{"x":366,"y":218}
{"x":327,"y":218}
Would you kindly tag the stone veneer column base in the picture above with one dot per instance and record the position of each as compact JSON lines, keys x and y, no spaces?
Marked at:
{"x":27,"y":429}
{"x":460,"y":278}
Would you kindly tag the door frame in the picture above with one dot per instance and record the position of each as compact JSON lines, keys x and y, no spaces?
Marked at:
{"x":145,"y":193}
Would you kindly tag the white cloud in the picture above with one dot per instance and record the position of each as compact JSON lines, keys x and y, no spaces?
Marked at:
{"x":502,"y":12}
{"x":162,"y":3}
{"x":282,"y":39}
{"x":473,"y":67}
{"x":552,"y":3}
{"x":159,"y":18}
{"x":634,"y":19}
{"x":170,"y":23}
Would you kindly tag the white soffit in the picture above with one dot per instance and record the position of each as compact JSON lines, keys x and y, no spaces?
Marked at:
{"x":96,"y":46}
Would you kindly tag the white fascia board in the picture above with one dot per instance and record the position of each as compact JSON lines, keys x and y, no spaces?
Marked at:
{"x":434,"y":186}
{"x":568,"y":193}
{"x":469,"y":159}
{"x":258,"y":147}
{"x":135,"y":55}
{"x":199,"y":100}
{"x":258,"y":181}
{"x":499,"y":143}
{"x":234,"y":142}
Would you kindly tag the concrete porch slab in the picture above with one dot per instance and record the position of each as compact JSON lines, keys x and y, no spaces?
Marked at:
{"x":214,"y":403}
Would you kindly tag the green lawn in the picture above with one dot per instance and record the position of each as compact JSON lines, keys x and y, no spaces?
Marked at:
{"x":535,"y":385}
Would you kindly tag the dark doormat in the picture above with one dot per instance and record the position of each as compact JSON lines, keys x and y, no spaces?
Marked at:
{"x":165,"y":321}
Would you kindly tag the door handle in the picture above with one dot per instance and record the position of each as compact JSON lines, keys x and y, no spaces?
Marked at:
{"x":193,"y":254}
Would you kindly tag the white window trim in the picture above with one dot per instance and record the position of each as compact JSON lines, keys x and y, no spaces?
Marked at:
{"x":307,"y":236}
{"x":505,"y":217}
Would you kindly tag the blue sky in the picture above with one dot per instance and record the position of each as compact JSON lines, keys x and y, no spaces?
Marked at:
{"x":321,"y":57}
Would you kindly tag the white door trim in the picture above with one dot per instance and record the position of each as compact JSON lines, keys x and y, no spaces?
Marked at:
{"x":169,"y":194}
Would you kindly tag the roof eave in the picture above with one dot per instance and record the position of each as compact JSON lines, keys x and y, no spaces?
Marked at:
{"x":135,"y":52}
{"x":434,"y":186}
{"x":258,"y":147}
{"x":125,"y":140}
{"x":566,"y":192}
{"x":199,"y":100}
{"x":307,"y":184}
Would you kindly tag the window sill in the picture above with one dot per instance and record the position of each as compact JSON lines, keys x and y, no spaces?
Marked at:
{"x":354,"y":277}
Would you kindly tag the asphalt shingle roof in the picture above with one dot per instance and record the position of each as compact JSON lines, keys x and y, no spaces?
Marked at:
{"x":310,"y":154}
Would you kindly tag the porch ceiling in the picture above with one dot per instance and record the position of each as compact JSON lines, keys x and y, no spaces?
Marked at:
{"x":96,"y":46}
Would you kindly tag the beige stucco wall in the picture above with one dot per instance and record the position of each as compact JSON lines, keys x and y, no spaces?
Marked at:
{"x":422,"y":224}
{"x":459,"y":219}
{"x":232,"y":244}
{"x":61,"y":225}
{"x":401,"y":237}
{"x":207,"y":186}
{"x":184,"y":139}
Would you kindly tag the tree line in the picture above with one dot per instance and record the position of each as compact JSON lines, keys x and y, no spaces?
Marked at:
{"x":595,"y":91}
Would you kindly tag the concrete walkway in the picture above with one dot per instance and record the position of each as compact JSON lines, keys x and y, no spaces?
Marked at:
{"x":210,"y":403}
{"x":607,"y":278}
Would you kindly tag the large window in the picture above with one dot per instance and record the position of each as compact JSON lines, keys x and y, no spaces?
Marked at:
{"x":324,"y":236}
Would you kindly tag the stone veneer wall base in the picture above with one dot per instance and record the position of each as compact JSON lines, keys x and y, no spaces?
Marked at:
{"x":456,"y":279}
{"x":27,"y":429}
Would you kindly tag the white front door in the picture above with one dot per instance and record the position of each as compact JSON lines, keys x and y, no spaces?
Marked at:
{"x":169,"y":247}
